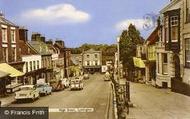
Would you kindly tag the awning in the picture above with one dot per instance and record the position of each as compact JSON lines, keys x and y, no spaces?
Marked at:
{"x":10,"y":70}
{"x":3,"y":74}
{"x":138,"y":62}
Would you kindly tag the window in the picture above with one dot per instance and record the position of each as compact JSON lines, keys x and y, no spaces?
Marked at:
{"x":187,"y":11}
{"x":5,"y":54}
{"x":13,"y":54}
{"x":30,"y":65}
{"x":13,"y":36}
{"x":4,"y":34}
{"x":165,"y":58}
{"x":164,"y":64}
{"x":96,"y":56}
{"x":88,"y":63}
{"x":188,"y":15}
{"x":166,"y":29}
{"x":26,"y":66}
{"x":38,"y":65}
{"x":174,"y":28}
{"x":87,"y":56}
{"x":187,"y":53}
{"x":34,"y":65}
{"x":158,"y":63}
{"x":96,"y":62}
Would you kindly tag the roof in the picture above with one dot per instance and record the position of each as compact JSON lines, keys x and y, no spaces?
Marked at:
{"x":40,"y":47}
{"x":91,"y":51}
{"x":3,"y":74}
{"x":175,"y":4}
{"x":10,"y":70}
{"x":26,"y":48}
{"x":76,"y":58}
{"x":153,"y":38}
{"x":5,"y":21}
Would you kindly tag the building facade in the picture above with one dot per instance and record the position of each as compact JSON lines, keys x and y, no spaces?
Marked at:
{"x":38,"y":43}
{"x":92,"y":60}
{"x":150,"y":63}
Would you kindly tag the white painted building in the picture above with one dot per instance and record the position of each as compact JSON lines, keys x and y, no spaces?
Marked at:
{"x":32,"y":64}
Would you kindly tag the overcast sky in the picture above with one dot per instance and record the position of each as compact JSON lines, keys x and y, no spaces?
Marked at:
{"x":82,"y":21}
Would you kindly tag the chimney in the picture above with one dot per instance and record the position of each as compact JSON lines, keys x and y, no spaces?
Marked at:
{"x":36,"y":37}
{"x":43,"y":39}
{"x":50,"y":42}
{"x":23,"y":34}
{"x":60,"y":42}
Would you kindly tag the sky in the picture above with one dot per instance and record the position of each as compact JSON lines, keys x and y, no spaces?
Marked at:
{"x":83,"y":21}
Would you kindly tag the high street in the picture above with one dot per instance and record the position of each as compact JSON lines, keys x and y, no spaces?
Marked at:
{"x":95,"y":95}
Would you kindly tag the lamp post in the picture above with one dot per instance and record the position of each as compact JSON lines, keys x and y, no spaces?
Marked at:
{"x":118,"y":57}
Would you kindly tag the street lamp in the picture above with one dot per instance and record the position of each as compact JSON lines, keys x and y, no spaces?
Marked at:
{"x":118,"y":56}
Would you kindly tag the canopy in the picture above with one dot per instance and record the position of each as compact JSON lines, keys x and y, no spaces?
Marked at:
{"x":3,"y":74}
{"x":138,"y":62}
{"x":4,"y":67}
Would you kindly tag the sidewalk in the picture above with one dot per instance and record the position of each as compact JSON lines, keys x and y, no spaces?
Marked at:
{"x":5,"y":101}
{"x":152,"y":103}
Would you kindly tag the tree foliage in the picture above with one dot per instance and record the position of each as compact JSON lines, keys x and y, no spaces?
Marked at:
{"x":128,"y":41}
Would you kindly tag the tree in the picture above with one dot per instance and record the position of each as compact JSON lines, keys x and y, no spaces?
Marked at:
{"x":128,"y":41}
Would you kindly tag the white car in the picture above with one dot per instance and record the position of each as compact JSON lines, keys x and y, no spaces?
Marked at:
{"x":65,"y":82}
{"x":77,"y":84}
{"x":44,"y":88}
{"x":27,"y":92}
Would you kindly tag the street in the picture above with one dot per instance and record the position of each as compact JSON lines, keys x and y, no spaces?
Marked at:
{"x":95,"y":95}
{"x":153,"y":103}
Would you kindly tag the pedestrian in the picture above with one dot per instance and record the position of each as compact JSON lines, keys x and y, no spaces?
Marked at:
{"x":0,"y":103}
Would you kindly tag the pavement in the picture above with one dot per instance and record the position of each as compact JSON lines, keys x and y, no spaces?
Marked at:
{"x":152,"y":103}
{"x":95,"y":95}
{"x":7,"y":100}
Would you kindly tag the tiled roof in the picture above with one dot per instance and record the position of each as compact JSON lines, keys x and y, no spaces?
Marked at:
{"x":153,"y":38}
{"x":26,"y":49}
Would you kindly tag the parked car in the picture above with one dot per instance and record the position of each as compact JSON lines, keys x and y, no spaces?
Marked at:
{"x":27,"y":92}
{"x":65,"y":82}
{"x":57,"y":85}
{"x":86,"y":76}
{"x":77,"y":84}
{"x":44,"y":88}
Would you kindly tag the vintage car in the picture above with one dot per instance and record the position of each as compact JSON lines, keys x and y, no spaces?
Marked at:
{"x":65,"y":82}
{"x":27,"y":92}
{"x":57,"y":85}
{"x":44,"y":88}
{"x":86,"y":76}
{"x":76,"y":84}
